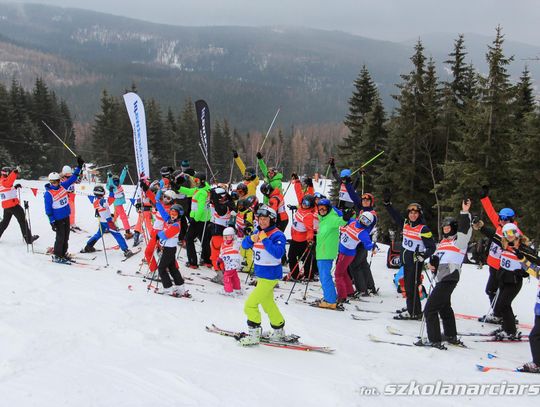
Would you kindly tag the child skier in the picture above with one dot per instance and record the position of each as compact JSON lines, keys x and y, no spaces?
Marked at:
{"x":229,"y":261}
{"x":103,"y":212}
{"x":114,"y":185}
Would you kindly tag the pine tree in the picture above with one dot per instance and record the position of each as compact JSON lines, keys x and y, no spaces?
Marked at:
{"x":524,"y":102}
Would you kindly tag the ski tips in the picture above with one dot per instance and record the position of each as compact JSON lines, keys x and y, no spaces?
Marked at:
{"x":492,"y":356}
{"x":482,"y":368}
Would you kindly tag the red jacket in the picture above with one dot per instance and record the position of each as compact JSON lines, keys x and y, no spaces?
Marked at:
{"x":8,"y":194}
{"x":277,"y":203}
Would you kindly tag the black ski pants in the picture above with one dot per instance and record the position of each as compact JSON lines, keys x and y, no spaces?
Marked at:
{"x":167,"y":265}
{"x":197,"y":230}
{"x":360,"y":271}
{"x":492,"y":286}
{"x":18,"y":212}
{"x":439,"y":304}
{"x":534,"y":341}
{"x":62,"y":237}
{"x":412,"y":272}
{"x":508,"y":291}
{"x":300,"y":251}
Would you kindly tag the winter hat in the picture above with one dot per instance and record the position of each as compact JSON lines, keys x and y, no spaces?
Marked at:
{"x":184,"y":164}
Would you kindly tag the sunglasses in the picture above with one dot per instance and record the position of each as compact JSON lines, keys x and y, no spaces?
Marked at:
{"x":366,"y":198}
{"x":413,"y":211}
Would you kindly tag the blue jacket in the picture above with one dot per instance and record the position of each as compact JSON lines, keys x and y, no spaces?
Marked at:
{"x":364,"y":237}
{"x":55,"y":214}
{"x":275,"y":246}
{"x":121,"y":200}
{"x":358,"y":203}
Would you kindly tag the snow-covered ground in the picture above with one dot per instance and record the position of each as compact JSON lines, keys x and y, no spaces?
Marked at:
{"x":78,"y":337}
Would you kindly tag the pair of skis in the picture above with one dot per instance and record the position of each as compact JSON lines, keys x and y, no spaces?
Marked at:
{"x":292,"y":342}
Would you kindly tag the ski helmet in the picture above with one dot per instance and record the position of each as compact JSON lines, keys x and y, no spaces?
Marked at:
{"x":154,"y":186}
{"x":507,"y":214}
{"x":165,"y":172}
{"x":415,"y":207}
{"x":99,"y":190}
{"x":266,"y":189}
{"x":66,"y":170}
{"x":177,"y":208}
{"x":345,"y":173}
{"x":229,"y":231}
{"x":369,"y":196}
{"x":170,"y":195}
{"x":249,"y":174}
{"x":234,"y":195}
{"x":274,"y":170}
{"x":452,"y":222}
{"x":241,"y":205}
{"x":318,"y":195}
{"x":325,"y":203}
{"x":241,"y":187}
{"x":54,"y":176}
{"x":252,"y":202}
{"x":221,"y":193}
{"x":184,"y":164}
{"x":266,"y":211}
{"x":201,"y":176}
{"x":366,"y":218}
{"x":6,"y":170}
{"x":511,"y":229}
{"x":308,"y":201}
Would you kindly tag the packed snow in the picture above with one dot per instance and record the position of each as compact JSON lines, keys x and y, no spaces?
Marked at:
{"x":71,"y":336}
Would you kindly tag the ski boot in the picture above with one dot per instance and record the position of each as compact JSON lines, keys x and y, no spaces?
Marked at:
{"x":180,"y":291}
{"x":373,"y":291}
{"x":218,"y":278}
{"x":32,"y":239}
{"x":453,"y":340}
{"x":504,"y":336}
{"x":191,"y":266}
{"x":437,"y":345}
{"x":136,"y":239}
{"x":406,"y":316}
{"x":324,"y":304}
{"x":252,"y":338}
{"x":60,"y":260}
{"x":402,"y":310}
{"x":490,"y":319}
{"x":277,"y":334}
{"x":166,"y":291}
{"x":128,"y":253}
{"x":128,"y":235}
{"x":88,"y":249}
{"x":530,"y":367}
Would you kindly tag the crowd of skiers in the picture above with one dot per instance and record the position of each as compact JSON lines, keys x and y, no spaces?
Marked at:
{"x":238,"y":233}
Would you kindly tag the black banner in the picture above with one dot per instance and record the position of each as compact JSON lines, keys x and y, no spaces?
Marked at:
{"x":203,"y":118}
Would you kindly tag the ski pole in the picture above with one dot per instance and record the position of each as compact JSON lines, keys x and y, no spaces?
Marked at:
{"x":28,"y":227}
{"x":103,"y":241}
{"x":154,"y":272}
{"x":59,"y":139}
{"x":309,"y":276}
{"x":494,"y":302}
{"x":134,"y":194}
{"x":423,"y":324}
{"x":19,"y":198}
{"x":269,"y":129}
{"x":230,"y":177}
{"x":368,"y":162}
{"x":207,"y":163}
{"x":290,"y":273}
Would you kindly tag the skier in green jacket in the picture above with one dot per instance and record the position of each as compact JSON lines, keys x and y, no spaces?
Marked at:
{"x":271,"y":175}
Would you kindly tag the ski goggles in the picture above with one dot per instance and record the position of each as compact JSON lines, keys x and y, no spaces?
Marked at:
{"x":506,"y":218}
{"x":512,"y":233}
{"x":366,"y":198}
{"x":364,"y":220}
{"x":414,"y":208}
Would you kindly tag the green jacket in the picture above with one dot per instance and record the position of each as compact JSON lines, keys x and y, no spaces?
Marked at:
{"x":200,"y":209}
{"x":275,"y":181}
{"x":328,"y":236}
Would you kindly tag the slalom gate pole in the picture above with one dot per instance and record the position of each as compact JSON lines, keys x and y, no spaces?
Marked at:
{"x":103,"y":241}
{"x":59,"y":139}
{"x":301,"y":259}
{"x":207,"y":163}
{"x":269,"y":129}
{"x":368,"y":162}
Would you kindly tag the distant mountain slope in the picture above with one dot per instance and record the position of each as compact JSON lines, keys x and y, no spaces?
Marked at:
{"x":244,"y":73}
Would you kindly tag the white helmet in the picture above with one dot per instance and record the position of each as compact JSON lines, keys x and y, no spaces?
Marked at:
{"x":169,"y":194}
{"x":366,"y":218}
{"x":511,"y":229}
{"x":229,"y":231}
{"x":66,"y":170}
{"x":54,"y":176}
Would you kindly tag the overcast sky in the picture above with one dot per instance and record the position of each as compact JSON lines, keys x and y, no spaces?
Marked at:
{"x":394,"y":20}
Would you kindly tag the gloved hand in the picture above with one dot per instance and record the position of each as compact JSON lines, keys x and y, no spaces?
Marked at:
{"x":53,"y":226}
{"x":519,"y":254}
{"x":292,"y":207}
{"x":17,"y":169}
{"x":332,"y":162}
{"x":419,"y":257}
{"x":262,"y":235}
{"x":138,"y":205}
{"x":434,"y":263}
{"x":80,"y":161}
{"x":17,"y":186}
{"x":348,"y":214}
{"x":109,"y":174}
{"x":484,"y":192}
{"x":111,"y":225}
{"x":310,"y":243}
{"x":144,"y":185}
{"x":387,"y":196}
{"x":259,"y":155}
{"x":235,"y":153}
{"x":126,"y":167}
{"x":346,"y":180}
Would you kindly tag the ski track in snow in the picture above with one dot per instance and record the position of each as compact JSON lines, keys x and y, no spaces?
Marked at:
{"x":71,"y":336}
